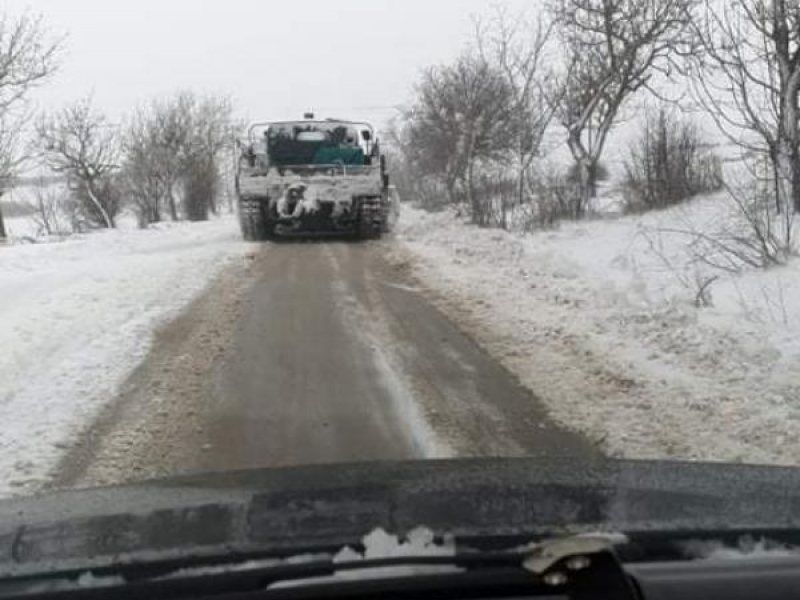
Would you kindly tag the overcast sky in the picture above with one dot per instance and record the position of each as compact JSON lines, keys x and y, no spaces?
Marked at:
{"x":277,"y":59}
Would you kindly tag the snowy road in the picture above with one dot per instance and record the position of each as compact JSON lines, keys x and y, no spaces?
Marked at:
{"x":315,"y":352}
{"x":77,"y":317}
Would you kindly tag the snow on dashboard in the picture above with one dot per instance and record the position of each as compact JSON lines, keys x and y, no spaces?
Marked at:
{"x":747,"y":548}
{"x":379,"y":544}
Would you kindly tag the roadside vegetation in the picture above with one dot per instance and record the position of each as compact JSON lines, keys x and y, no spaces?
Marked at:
{"x":483,"y":130}
{"x":645,"y":164}
{"x":166,"y":160}
{"x":515,"y":132}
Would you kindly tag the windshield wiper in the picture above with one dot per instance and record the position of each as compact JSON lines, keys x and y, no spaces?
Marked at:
{"x":561,"y":566}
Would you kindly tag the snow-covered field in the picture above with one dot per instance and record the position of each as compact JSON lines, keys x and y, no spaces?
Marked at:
{"x":76,"y":316}
{"x":601,"y":328}
{"x":19,"y":229}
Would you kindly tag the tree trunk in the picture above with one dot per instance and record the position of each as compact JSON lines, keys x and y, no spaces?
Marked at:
{"x":212,"y":202}
{"x":786,"y":174}
{"x":472,"y":200}
{"x":583,"y":162}
{"x":173,"y":206}
{"x":2,"y":225}
{"x":792,"y":127}
{"x":450,"y":183}
{"x":773,"y":160}
{"x":585,"y":186}
{"x":591,"y":179}
{"x":96,"y":201}
{"x":503,"y":215}
{"x":796,"y":180}
{"x":99,"y":206}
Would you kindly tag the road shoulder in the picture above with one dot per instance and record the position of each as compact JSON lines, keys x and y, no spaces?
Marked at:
{"x":155,"y":426}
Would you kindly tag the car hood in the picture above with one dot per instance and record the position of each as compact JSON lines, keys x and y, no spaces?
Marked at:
{"x":294,"y":510}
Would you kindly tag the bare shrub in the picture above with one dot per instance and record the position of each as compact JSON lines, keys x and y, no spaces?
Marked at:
{"x":424,"y":189}
{"x":668,"y":164}
{"x":200,"y":185}
{"x":554,"y":198}
{"x":760,"y":237}
{"x":753,"y":235}
{"x":690,"y":274}
{"x":496,"y":193}
{"x":49,"y":208}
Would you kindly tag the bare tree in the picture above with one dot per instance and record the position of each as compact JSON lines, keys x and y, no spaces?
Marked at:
{"x":613,"y":50}
{"x":28,"y":57}
{"x":517,"y":49}
{"x":154,"y":146}
{"x":748,"y":80}
{"x":171,"y":122}
{"x":142,"y":171}
{"x":461,"y":118}
{"x":211,"y":134}
{"x":12,"y":153}
{"x":668,"y":163}
{"x":79,"y":142}
{"x":173,"y":150}
{"x":412,"y":180}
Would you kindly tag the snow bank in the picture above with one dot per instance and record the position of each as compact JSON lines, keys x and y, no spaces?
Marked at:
{"x":604,"y":330}
{"x":77,"y":316}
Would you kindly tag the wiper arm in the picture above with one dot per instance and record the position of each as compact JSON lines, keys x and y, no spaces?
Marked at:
{"x":562,"y":565}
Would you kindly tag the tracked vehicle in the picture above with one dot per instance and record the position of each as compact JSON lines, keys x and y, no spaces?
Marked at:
{"x":313,"y":177}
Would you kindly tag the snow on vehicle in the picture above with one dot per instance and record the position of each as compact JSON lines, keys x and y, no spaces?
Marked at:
{"x":313,"y":177}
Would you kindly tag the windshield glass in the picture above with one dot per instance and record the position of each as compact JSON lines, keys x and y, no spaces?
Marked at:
{"x":264,"y":235}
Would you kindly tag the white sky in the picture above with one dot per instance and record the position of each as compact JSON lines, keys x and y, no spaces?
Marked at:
{"x":277,"y":59}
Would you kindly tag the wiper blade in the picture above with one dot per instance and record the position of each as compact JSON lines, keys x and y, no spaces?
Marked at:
{"x":548,"y":567}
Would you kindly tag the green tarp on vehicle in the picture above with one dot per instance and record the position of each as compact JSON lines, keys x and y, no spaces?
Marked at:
{"x":333,"y":155}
